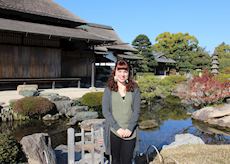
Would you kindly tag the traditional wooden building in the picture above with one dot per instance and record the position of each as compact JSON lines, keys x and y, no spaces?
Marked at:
{"x":40,"y":40}
{"x":164,"y":64}
{"x":118,"y":49}
{"x":107,"y":55}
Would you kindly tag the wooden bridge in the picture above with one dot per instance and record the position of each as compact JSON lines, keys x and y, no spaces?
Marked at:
{"x":91,"y":145}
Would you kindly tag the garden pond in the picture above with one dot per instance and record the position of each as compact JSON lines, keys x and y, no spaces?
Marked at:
{"x":172,"y":120}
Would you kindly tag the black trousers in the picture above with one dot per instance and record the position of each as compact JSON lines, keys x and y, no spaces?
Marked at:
{"x":121,"y":150}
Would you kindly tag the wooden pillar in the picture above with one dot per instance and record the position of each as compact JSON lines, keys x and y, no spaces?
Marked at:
{"x":93,"y":70}
{"x":93,"y":74}
{"x":71,"y":145}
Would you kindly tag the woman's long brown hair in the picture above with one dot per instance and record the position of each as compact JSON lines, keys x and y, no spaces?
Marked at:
{"x":112,"y":84}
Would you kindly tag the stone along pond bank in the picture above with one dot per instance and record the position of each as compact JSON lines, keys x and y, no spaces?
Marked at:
{"x":171,"y":122}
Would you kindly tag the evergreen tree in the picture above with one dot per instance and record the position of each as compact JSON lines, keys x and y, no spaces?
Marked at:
{"x":180,"y":47}
{"x":143,"y":45}
{"x":201,"y":59}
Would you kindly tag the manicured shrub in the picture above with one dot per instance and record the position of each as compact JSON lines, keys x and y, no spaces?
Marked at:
{"x":92,"y":99}
{"x":33,"y":106}
{"x":152,"y":87}
{"x":173,"y":79}
{"x":148,"y":85}
{"x":10,"y":150}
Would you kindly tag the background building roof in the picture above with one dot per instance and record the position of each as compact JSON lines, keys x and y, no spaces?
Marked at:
{"x":47,"y":8}
{"x":161,"y":58}
{"x":108,"y":32}
{"x":50,"y":30}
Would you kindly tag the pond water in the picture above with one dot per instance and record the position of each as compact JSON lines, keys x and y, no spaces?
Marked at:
{"x":57,"y":130}
{"x":172,"y":121}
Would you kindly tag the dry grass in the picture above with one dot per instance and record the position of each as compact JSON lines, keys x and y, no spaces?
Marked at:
{"x":196,"y":154}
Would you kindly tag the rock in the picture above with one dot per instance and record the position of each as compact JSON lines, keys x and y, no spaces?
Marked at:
{"x":183,"y":139}
{"x":82,"y":116}
{"x":61,"y":152}
{"x":212,"y":112}
{"x":223,"y":121}
{"x":54,"y":96}
{"x":148,"y":124}
{"x":50,"y":117}
{"x":228,"y":100}
{"x":28,"y":93}
{"x":87,"y":124}
{"x":37,"y":148}
{"x":210,"y":129}
{"x":73,"y":110}
{"x":63,"y":105}
{"x":214,"y":115}
{"x":27,"y":90}
{"x":27,"y":87}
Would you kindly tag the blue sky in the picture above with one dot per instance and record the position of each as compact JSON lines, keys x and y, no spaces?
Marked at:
{"x":207,"y":20}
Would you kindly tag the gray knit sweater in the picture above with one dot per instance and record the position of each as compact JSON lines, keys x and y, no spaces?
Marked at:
{"x":111,"y":122}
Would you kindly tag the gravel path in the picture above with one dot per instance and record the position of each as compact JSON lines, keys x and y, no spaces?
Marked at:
{"x":73,"y":93}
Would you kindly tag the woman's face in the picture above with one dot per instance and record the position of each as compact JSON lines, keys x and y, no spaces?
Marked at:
{"x":121,"y":75}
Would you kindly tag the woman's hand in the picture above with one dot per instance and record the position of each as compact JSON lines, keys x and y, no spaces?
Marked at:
{"x":124,"y":132}
{"x":127,"y":133}
{"x":121,"y":132}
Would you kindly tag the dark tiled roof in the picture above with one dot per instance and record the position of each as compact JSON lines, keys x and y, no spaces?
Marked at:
{"x":35,"y":28}
{"x":122,"y":46}
{"x":161,"y":58}
{"x":46,"y":8}
{"x":129,"y":57}
{"x":108,"y":32}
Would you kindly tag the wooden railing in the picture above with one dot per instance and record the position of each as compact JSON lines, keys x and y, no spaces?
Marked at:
{"x":91,"y":141}
{"x":38,"y":80}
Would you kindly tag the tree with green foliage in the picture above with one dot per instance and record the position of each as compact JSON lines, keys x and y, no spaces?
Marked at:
{"x":11,"y":150}
{"x":201,"y":59}
{"x":143,"y":45}
{"x":223,"y":52}
{"x":179,"y":46}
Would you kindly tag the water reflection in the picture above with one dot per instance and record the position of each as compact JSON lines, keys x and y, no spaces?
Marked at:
{"x":163,"y":135}
{"x":211,"y":134}
{"x":172,"y":119}
{"x":57,"y":130}
{"x":176,"y":121}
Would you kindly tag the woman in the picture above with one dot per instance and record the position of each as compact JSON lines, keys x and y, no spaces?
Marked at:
{"x":120,"y":107}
